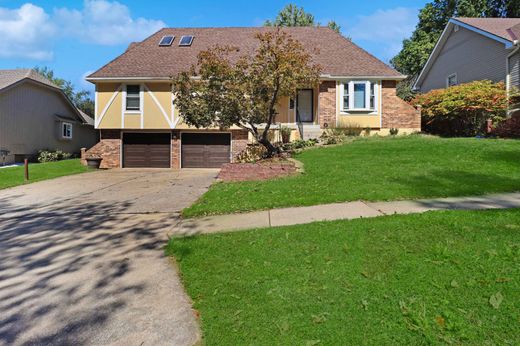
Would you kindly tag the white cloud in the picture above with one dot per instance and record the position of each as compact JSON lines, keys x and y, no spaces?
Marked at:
{"x":105,"y":23}
{"x":25,"y":32}
{"x":30,"y":32}
{"x":387,"y":27}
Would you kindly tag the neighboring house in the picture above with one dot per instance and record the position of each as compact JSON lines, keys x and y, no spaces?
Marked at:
{"x":35,"y":114}
{"x":472,"y":49}
{"x":141,"y":127}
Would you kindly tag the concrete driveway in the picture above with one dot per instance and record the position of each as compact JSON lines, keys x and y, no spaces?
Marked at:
{"x":81,"y":259}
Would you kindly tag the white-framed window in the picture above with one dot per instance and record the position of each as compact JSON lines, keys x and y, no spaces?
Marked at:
{"x":359,"y":96}
{"x":133,"y":97}
{"x":451,"y":80}
{"x":66,"y":130}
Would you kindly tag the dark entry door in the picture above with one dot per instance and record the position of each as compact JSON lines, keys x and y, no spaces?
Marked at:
{"x":146,"y":150}
{"x":205,"y":150}
{"x":305,"y":105}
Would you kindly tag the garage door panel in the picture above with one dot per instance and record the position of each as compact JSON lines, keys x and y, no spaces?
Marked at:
{"x":205,"y":150}
{"x":146,"y":150}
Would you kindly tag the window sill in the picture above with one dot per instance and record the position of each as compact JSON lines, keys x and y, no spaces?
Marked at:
{"x":350,"y":111}
{"x":132,"y":111}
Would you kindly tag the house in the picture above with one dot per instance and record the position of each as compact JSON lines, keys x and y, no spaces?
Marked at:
{"x":35,"y":114}
{"x":472,"y":49}
{"x":141,"y":127}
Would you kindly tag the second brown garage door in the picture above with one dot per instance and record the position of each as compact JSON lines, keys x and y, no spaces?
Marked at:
{"x":146,"y":150}
{"x":205,"y":150}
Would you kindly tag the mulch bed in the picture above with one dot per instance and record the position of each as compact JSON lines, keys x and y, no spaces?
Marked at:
{"x":262,"y":170}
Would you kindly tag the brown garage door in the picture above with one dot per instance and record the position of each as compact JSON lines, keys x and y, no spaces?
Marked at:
{"x":205,"y":150}
{"x":146,"y":150}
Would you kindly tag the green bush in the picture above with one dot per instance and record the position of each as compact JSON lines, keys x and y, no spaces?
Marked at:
{"x":462,"y":110}
{"x":52,"y":156}
{"x":394,"y":131}
{"x":285,"y":132}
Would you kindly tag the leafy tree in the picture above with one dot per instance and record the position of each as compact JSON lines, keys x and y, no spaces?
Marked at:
{"x":292,"y":15}
{"x":226,"y":89}
{"x":334,"y":26}
{"x":80,"y":99}
{"x":462,"y":110}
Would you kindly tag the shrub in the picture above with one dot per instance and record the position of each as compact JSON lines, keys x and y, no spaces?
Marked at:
{"x":300,"y":144}
{"x":252,"y":153}
{"x":367,"y":131}
{"x":394,"y":131}
{"x":509,"y":128}
{"x":462,"y":110}
{"x":338,"y":134}
{"x":286,"y":134}
{"x":51,"y":156}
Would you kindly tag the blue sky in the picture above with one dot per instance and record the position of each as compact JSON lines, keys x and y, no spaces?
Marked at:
{"x":76,"y":37}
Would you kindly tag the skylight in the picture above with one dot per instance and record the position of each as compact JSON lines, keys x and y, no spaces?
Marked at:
{"x":186,"y":40}
{"x":166,"y":40}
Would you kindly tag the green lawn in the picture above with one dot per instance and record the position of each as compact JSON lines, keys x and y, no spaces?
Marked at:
{"x":14,"y":176}
{"x":436,"y":278}
{"x":378,"y":169}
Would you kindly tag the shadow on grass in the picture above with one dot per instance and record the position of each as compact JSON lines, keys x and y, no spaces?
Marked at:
{"x":64,"y":268}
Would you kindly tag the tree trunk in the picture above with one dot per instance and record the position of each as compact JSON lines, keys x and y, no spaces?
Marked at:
{"x":271,"y":149}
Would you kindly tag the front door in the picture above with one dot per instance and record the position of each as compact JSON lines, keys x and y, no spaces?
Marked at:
{"x":305,"y":105}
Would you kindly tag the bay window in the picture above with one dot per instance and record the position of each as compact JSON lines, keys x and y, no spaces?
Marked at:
{"x":359,"y":96}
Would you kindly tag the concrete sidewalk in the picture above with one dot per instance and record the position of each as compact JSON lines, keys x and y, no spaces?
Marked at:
{"x":340,"y":211}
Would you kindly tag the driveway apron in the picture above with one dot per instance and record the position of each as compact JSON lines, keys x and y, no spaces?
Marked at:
{"x":82,"y":259}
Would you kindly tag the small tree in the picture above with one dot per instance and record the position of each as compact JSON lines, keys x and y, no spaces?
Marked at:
{"x":462,"y":110}
{"x":292,"y":15}
{"x":226,"y":89}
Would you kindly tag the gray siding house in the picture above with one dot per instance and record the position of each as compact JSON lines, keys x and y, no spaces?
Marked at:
{"x":35,"y":115}
{"x":472,"y":49}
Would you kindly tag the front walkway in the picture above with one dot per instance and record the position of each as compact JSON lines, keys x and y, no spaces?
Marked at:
{"x":341,"y":211}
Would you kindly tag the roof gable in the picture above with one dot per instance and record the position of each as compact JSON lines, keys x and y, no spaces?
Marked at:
{"x":336,"y":55}
{"x":12,"y":78}
{"x":498,"y":29}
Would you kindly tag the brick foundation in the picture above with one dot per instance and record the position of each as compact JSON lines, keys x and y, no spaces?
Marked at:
{"x":397,"y":113}
{"x":327,"y":104}
{"x":108,"y":148}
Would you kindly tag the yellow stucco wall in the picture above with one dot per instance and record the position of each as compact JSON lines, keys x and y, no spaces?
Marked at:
{"x":362,"y":119}
{"x":116,"y":117}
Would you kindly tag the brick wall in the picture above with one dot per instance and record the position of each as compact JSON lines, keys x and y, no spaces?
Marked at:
{"x":108,"y":148}
{"x":176,"y":149}
{"x":396,"y":112}
{"x":327,"y":104}
{"x":239,"y":140}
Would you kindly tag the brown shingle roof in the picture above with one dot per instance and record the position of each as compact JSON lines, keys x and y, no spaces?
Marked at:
{"x":336,"y":55}
{"x":10,"y":77}
{"x":496,"y":26}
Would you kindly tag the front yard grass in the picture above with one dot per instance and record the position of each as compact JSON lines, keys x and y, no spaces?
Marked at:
{"x":448,"y":277}
{"x":378,"y":169}
{"x":13,"y":176}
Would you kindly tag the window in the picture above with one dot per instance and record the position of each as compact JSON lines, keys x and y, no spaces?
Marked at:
{"x":133,"y":99}
{"x":359,"y":95}
{"x":166,"y":41}
{"x":451,"y":80}
{"x":291,"y":103}
{"x":186,"y":40}
{"x":66,"y":130}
